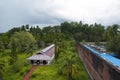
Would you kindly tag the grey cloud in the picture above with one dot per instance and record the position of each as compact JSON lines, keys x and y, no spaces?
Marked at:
{"x":49,"y":12}
{"x":18,"y":12}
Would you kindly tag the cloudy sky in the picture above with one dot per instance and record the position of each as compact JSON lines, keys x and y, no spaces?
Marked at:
{"x":15,"y":13}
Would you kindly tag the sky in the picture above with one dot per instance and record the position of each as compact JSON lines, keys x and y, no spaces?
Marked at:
{"x":14,"y":13}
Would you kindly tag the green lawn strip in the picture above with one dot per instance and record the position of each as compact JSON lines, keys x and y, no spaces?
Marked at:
{"x":48,"y":72}
{"x":17,"y":70}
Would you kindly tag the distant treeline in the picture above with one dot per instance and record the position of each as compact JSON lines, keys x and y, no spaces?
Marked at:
{"x":77,"y":31}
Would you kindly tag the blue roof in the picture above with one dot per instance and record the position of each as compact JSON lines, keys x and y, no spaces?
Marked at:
{"x":91,"y":49}
{"x":108,"y":57}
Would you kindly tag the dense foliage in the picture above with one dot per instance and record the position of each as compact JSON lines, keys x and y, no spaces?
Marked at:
{"x":23,"y":42}
{"x":114,"y":45}
{"x":112,"y":35}
{"x":26,"y":39}
{"x":67,"y":67}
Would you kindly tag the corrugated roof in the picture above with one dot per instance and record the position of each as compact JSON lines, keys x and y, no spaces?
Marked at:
{"x":109,"y":58}
{"x":39,"y":57}
{"x":47,"y":48}
{"x":44,"y":54}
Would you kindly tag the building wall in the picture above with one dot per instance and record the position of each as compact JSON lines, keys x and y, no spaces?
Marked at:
{"x":97,"y":67}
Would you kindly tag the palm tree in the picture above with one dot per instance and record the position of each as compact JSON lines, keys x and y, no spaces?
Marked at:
{"x":69,"y":68}
{"x":111,"y":32}
{"x":115,"y":30}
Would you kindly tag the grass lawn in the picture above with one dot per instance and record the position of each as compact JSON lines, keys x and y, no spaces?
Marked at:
{"x":51,"y":72}
{"x":47,"y":73}
{"x":17,"y":70}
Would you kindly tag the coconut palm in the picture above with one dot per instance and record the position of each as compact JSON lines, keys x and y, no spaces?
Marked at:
{"x":111,"y":32}
{"x":69,"y":68}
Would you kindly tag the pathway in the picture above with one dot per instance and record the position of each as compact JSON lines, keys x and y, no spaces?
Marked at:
{"x":27,"y":76}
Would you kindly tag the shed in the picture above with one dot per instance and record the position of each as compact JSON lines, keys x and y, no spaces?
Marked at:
{"x":43,"y":57}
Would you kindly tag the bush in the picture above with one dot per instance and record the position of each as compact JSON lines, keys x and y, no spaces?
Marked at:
{"x":114,"y":45}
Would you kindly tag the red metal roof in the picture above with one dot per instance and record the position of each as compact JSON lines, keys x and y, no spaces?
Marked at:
{"x":49,"y":50}
{"x":46,"y":53}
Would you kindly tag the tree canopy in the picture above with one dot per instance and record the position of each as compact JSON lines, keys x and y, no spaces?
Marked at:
{"x":26,"y":38}
{"x":77,"y":31}
{"x":114,"y":45}
{"x":112,"y":35}
{"x":23,"y":41}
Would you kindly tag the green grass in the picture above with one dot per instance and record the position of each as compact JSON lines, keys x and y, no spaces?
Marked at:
{"x":51,"y":72}
{"x":47,"y":73}
{"x":17,"y":70}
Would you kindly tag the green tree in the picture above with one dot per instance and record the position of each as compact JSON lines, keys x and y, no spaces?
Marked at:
{"x":113,"y":45}
{"x":2,"y":48}
{"x":13,"y":54}
{"x":78,"y":37}
{"x":111,"y":32}
{"x":23,"y":28}
{"x":4,"y":39}
{"x":47,"y":29}
{"x":69,"y":68}
{"x":98,"y":32}
{"x":37,"y":33}
{"x":27,"y":26}
{"x":23,"y":41}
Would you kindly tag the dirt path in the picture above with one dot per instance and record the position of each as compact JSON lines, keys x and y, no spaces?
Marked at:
{"x":27,"y":76}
